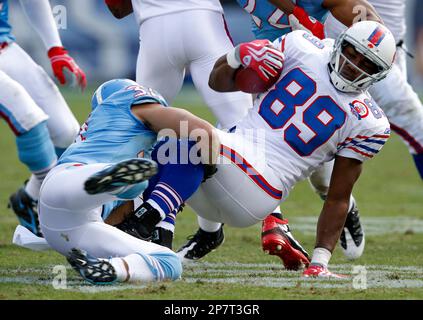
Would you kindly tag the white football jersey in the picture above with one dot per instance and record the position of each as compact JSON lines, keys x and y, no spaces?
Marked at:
{"x":145,"y":9}
{"x":393,"y":15}
{"x":306,"y":120}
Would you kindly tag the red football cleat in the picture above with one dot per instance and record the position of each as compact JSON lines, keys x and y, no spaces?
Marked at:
{"x":277,"y":240}
{"x":318,"y":271}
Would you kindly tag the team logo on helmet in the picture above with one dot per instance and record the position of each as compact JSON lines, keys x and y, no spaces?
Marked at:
{"x":376,"y":37}
{"x":359,"y":109}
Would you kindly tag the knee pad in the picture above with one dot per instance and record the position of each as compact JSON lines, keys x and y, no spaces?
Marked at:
{"x":35,"y":148}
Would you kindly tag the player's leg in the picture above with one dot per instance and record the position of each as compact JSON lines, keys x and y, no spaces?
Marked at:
{"x":208,"y":29}
{"x":71,"y":219}
{"x":35,"y":150}
{"x":180,"y":174}
{"x":161,"y":61}
{"x":61,"y":124}
{"x":403,"y":108}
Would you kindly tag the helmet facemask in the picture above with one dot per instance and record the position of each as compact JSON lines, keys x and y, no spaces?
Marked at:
{"x":339,"y":60}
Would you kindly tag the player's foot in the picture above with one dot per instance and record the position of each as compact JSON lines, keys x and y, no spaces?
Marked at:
{"x":163,"y":237}
{"x":318,"y":271}
{"x":94,"y":270}
{"x":352,"y":238}
{"x":121,"y":174}
{"x":26,"y":210}
{"x":142,"y":222}
{"x":276,"y":239}
{"x":200,"y":244}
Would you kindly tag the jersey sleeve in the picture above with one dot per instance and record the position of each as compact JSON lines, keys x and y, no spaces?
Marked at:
{"x":143,"y":95}
{"x":365,"y":145}
{"x":298,"y":43}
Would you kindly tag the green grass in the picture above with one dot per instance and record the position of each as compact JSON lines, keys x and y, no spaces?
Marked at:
{"x":389,"y":187}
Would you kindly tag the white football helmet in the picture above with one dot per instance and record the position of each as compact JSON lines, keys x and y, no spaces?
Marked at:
{"x":371,"y":39}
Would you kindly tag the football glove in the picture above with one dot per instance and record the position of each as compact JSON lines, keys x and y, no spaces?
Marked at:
{"x":258,"y":55}
{"x":60,"y":60}
{"x":300,"y":20}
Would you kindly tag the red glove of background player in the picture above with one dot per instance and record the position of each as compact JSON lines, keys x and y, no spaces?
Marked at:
{"x":60,"y":59}
{"x":300,"y":20}
{"x":258,"y":55}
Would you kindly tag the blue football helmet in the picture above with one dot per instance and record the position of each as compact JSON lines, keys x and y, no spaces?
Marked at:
{"x":108,"y":88}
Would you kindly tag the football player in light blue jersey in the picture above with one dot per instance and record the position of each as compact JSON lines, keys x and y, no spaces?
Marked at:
{"x":270,"y":20}
{"x":110,"y":162}
{"x":32,"y":105}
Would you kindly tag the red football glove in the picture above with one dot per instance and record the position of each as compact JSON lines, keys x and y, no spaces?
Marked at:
{"x":258,"y":55}
{"x":300,"y":20}
{"x":318,"y":271}
{"x":60,"y":59}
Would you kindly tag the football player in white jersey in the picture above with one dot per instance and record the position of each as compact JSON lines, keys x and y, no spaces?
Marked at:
{"x":394,"y":95}
{"x":33,"y":106}
{"x":318,"y":110}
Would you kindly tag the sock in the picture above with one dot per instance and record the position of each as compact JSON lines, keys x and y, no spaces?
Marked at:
{"x":36,"y":150}
{"x":132,"y":268}
{"x":277,"y":213}
{"x":176,"y":181}
{"x":321,"y":256}
{"x":207,"y":225}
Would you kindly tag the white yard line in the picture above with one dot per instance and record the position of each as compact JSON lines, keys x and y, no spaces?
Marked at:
{"x":251,"y":274}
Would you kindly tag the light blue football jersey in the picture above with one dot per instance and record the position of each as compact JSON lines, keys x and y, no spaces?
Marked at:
{"x":269,"y":22}
{"x":112,"y":133}
{"x":5,"y":28}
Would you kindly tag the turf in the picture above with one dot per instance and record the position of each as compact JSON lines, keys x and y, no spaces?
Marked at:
{"x":389,"y":193}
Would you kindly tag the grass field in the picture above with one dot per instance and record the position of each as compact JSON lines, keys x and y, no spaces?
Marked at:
{"x":390,"y":197}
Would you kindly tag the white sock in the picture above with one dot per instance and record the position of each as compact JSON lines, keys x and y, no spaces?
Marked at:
{"x":321,"y":256}
{"x":207,"y":225}
{"x":166,"y":225}
{"x":33,"y":187}
{"x":132,"y":268}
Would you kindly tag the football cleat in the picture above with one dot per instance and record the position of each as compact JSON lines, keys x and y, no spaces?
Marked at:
{"x":94,"y":270}
{"x":26,"y":209}
{"x":142,"y":222}
{"x":276,"y":239}
{"x":163,"y":237}
{"x":352,"y":239}
{"x":121,"y":174}
{"x":200,"y":244}
{"x":319,"y":271}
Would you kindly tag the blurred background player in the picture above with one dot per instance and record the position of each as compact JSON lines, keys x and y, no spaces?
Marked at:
{"x":176,"y":36}
{"x":102,"y":166}
{"x":32,"y":104}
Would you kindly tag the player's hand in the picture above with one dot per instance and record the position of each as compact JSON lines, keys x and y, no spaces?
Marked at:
{"x":60,"y":61}
{"x":319,"y":271}
{"x":300,"y":20}
{"x":258,"y":55}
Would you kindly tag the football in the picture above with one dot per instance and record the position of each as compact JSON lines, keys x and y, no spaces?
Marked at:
{"x":247,"y":80}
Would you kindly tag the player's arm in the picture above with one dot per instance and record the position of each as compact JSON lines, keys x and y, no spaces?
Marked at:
{"x":334,"y":213}
{"x":258,"y":55}
{"x":168,"y":121}
{"x":41,"y":18}
{"x":332,"y":218}
{"x":350,"y":11}
{"x":119,"y":8}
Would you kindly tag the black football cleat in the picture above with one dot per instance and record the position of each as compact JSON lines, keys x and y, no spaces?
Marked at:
{"x":26,"y":209}
{"x":352,"y":238}
{"x":200,"y":244}
{"x":121,"y":174}
{"x":95,"y":271}
{"x":163,"y":237}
